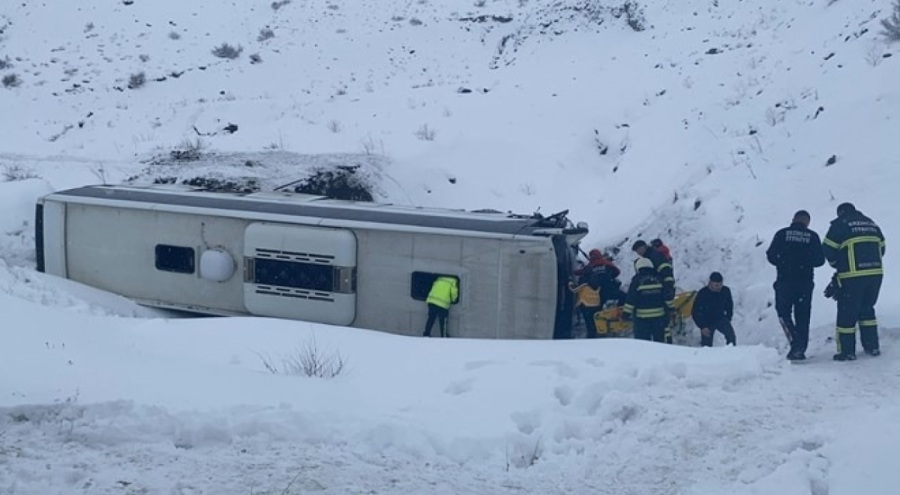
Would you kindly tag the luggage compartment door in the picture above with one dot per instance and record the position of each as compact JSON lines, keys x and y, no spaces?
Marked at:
{"x":300,"y":272}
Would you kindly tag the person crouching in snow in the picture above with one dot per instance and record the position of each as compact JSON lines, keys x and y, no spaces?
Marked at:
{"x":713,"y":310}
{"x":646,"y":303}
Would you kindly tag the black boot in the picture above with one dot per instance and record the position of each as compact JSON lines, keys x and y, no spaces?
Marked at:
{"x":868,"y":335}
{"x":844,"y":356}
{"x":846,"y":347}
{"x":796,"y":356}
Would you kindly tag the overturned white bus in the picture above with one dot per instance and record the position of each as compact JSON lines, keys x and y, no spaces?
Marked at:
{"x":311,"y":258}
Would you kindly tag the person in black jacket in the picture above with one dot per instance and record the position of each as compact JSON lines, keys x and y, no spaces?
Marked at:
{"x":854,"y":246}
{"x":602,"y":273}
{"x":713,"y":309}
{"x":795,"y":251}
{"x":646,"y":303}
{"x":661,"y":264}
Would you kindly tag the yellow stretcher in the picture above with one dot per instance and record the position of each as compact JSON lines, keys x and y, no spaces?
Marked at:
{"x":609,"y":322}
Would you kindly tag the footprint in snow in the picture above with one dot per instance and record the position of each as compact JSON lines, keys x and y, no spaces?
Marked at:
{"x":526,"y":422}
{"x":459,"y":387}
{"x":564,"y":395}
{"x":474,"y":365}
{"x":561,"y":368}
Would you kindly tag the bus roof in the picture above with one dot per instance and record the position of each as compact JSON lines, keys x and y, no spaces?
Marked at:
{"x":305,"y":205}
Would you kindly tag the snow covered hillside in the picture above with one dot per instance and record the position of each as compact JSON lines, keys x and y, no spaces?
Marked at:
{"x":705,"y":122}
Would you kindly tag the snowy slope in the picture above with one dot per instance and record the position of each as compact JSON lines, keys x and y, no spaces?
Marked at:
{"x":150,"y":406}
{"x":718,"y":121}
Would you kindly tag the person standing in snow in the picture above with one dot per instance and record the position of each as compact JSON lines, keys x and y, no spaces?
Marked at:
{"x":599,"y":265}
{"x":662,"y":248}
{"x":661,"y":264}
{"x":602,"y":273}
{"x":587,"y":302}
{"x":854,"y":246}
{"x":444,"y":292}
{"x":646,"y":304}
{"x":713,"y":310}
{"x":795,"y":251}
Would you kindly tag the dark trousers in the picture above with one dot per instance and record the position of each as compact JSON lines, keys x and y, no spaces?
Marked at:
{"x":436,"y":313}
{"x":590,"y":327}
{"x":856,"y":306}
{"x":723,"y":326}
{"x":612,"y":294}
{"x":793,"y":300}
{"x":652,"y":329}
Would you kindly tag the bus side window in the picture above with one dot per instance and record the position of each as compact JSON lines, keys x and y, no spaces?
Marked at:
{"x":175,"y":259}
{"x":421,"y":284}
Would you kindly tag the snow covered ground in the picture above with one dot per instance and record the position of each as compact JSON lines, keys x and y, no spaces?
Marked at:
{"x":709,"y":128}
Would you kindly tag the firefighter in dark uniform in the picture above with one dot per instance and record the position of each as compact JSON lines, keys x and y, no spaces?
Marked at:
{"x":795,"y":251}
{"x":646,"y":303}
{"x":854,"y":246}
{"x":664,"y":270}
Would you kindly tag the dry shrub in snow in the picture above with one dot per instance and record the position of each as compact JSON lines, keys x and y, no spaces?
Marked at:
{"x":136,"y":81}
{"x":892,"y":24}
{"x":340,"y":182}
{"x":227,"y":51}
{"x":334,"y":126}
{"x":188,"y":150}
{"x":634,"y":14}
{"x":14,"y":173}
{"x":308,"y":360}
{"x":265,"y":34}
{"x":425,"y":133}
{"x":11,"y":81}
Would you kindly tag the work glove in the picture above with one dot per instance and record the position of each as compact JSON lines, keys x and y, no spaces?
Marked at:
{"x":833,"y":290}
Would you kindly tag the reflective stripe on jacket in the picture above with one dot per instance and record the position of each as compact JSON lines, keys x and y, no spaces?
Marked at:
{"x":854,"y":246}
{"x":444,"y":292}
{"x":665,"y":271}
{"x":646,"y":297}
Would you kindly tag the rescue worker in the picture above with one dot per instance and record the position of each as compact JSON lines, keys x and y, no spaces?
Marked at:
{"x":660,"y":264}
{"x":663,"y":266}
{"x":587,"y":302}
{"x":713,"y":310}
{"x":854,"y":246}
{"x":444,"y":292}
{"x":795,"y":251}
{"x":646,"y":303}
{"x":662,"y":248}
{"x":603,"y":273}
